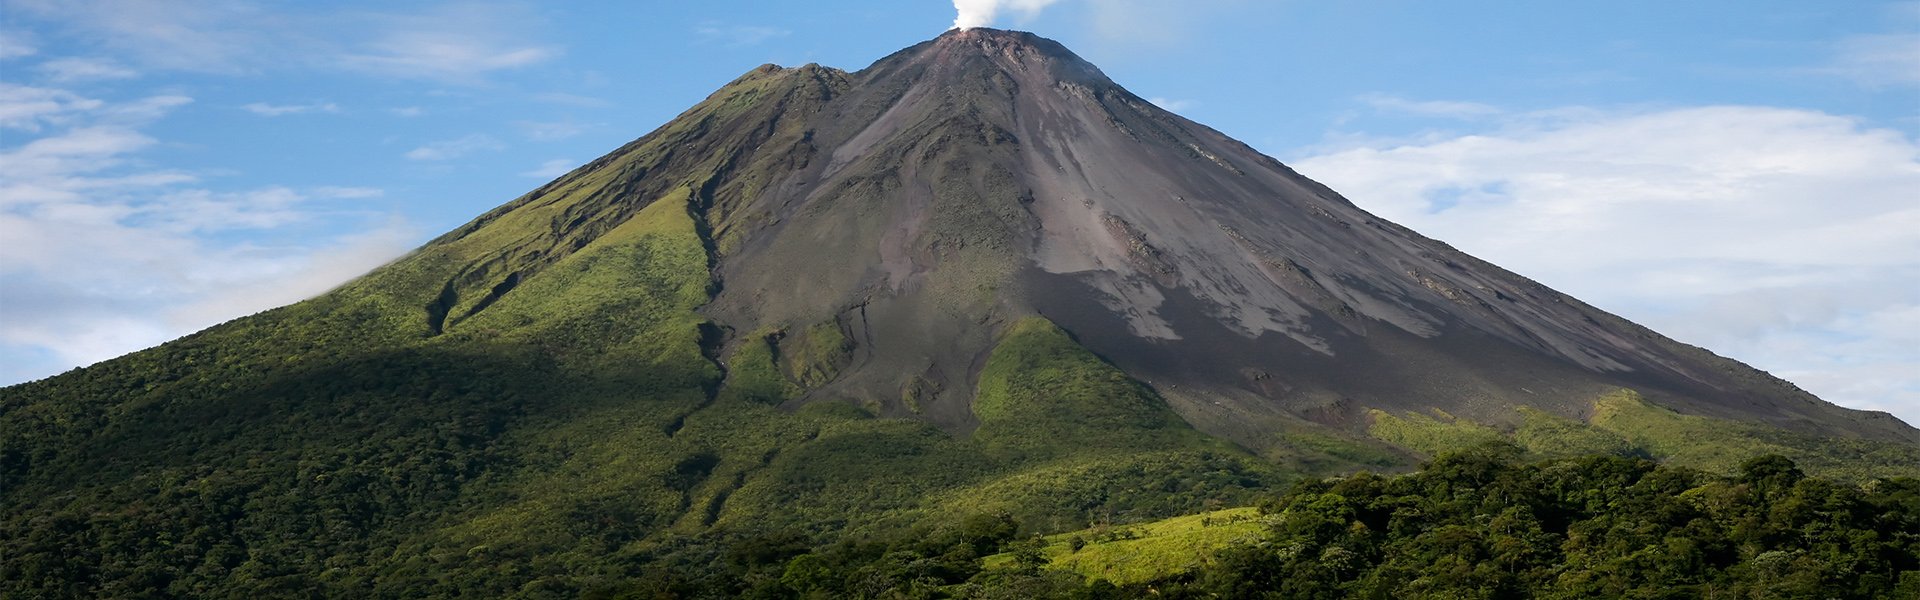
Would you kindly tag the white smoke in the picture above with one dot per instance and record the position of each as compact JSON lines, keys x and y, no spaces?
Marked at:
{"x":981,"y":13}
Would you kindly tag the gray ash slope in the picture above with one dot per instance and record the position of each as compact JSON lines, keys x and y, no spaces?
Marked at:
{"x":921,"y":204}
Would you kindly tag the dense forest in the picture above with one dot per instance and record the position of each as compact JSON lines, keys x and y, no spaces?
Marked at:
{"x":1479,"y":523}
{"x":1474,"y":524}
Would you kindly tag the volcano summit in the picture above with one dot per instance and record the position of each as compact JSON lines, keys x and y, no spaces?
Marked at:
{"x":976,"y":277}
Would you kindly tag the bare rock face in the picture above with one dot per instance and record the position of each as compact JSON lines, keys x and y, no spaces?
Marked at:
{"x":919,"y":205}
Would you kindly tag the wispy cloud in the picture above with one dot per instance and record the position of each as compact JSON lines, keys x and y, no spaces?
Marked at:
{"x":552,"y":168}
{"x":1773,"y":235}
{"x":549,"y":131}
{"x":739,"y":35}
{"x":343,"y":192}
{"x":30,"y":108}
{"x":1172,"y":104}
{"x":442,"y":55}
{"x":407,"y":111}
{"x":566,"y":99}
{"x":227,"y":37}
{"x":456,"y":148}
{"x":59,"y":172}
{"x":15,"y":44}
{"x":1881,"y":59}
{"x":457,"y":43}
{"x":106,"y":255}
{"x":1155,"y":24}
{"x":450,"y":43}
{"x":111,"y":288}
{"x":73,"y":69}
{"x":1429,"y":108}
{"x":278,"y":110}
{"x":206,"y":211}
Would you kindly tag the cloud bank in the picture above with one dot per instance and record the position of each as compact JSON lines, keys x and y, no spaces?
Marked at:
{"x":1788,"y":239}
{"x":107,"y":254}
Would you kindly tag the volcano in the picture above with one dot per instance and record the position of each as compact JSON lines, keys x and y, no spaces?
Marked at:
{"x":976,"y":276}
{"x":921,"y":205}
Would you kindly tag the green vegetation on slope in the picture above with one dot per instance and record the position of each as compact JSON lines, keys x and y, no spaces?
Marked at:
{"x":1480,"y":525}
{"x":1308,"y":448}
{"x":815,"y":356}
{"x":572,"y":438}
{"x":1548,"y":435}
{"x":753,"y":373}
{"x":1718,"y":445}
{"x":1623,"y":423}
{"x":1040,"y":390}
{"x":1476,"y":524}
{"x":1429,"y":435}
{"x":1146,"y":552}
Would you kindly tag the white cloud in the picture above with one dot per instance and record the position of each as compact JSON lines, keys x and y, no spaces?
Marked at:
{"x":1429,"y":108}
{"x":105,"y":255}
{"x":30,"y":108}
{"x":456,"y":148}
{"x":276,"y":110}
{"x":354,"y":193}
{"x":74,"y":69}
{"x":552,"y":168}
{"x":62,"y":167}
{"x":82,"y":157}
{"x":456,"y":43}
{"x":550,"y":131}
{"x":225,"y":37}
{"x":452,"y":42}
{"x":407,"y":111}
{"x":253,"y":279}
{"x":1786,"y":238}
{"x":441,"y":55}
{"x":740,"y":35}
{"x":204,"y":211}
{"x":1153,"y":25}
{"x":1882,"y":59}
{"x":567,"y":99}
{"x":1172,"y":104}
{"x":15,"y":44}
{"x":134,"y":288}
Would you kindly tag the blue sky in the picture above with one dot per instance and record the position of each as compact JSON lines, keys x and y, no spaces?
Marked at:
{"x":1741,"y":175}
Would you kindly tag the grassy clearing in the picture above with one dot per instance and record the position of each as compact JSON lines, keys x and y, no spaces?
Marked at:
{"x":753,"y":373}
{"x":1544,"y":434}
{"x":1147,"y":551}
{"x":814,"y":356}
{"x":1720,"y":446}
{"x":1430,"y":435}
{"x":1040,"y":390}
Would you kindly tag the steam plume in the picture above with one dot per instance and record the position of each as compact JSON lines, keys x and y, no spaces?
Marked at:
{"x":980,"y":13}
